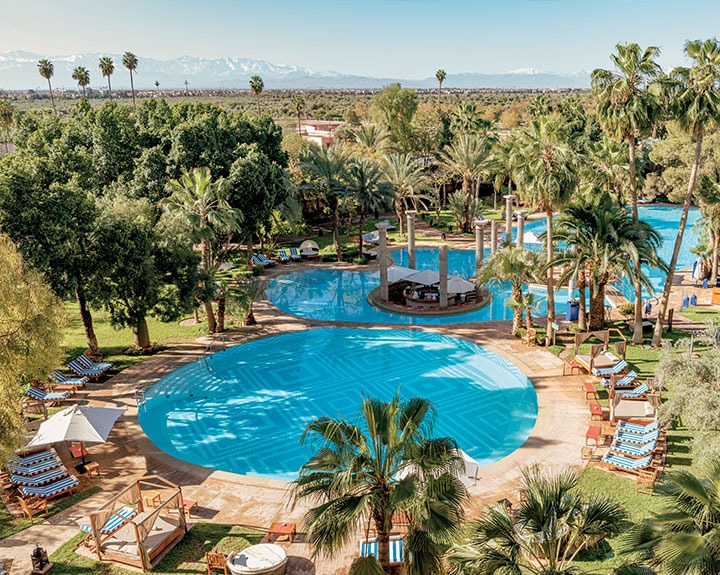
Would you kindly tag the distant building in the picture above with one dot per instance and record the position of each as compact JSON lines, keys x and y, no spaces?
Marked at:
{"x":319,"y":132}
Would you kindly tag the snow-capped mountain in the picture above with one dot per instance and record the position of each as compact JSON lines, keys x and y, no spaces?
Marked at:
{"x":18,"y":71}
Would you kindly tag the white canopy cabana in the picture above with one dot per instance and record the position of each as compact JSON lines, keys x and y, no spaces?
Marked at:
{"x":424,"y":277}
{"x":395,"y":273}
{"x":458,"y":285}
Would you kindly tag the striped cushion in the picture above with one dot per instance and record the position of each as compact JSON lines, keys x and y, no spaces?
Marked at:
{"x":638,"y":391}
{"x":282,"y":254}
{"x":370,"y":548}
{"x":88,"y":363}
{"x":633,"y":449}
{"x":32,"y":459}
{"x":41,"y":478}
{"x":624,"y":381}
{"x":637,"y":428}
{"x":623,"y":462}
{"x":59,"y":377}
{"x":617,"y":368}
{"x":117,"y":520}
{"x":39,"y":394}
{"x":51,"y":489}
{"x":81,"y":370}
{"x":39,"y":467}
{"x":626,"y":437}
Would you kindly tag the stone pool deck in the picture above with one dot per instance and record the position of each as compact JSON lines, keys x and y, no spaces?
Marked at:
{"x":228,"y":498}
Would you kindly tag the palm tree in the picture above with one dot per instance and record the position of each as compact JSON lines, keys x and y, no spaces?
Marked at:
{"x":372,"y":140}
{"x":627,"y":110}
{"x":466,"y":119}
{"x":298,"y":103}
{"x":601,"y":243}
{"x":201,"y":202}
{"x":369,"y":189}
{"x":326,"y":170}
{"x":503,"y":166}
{"x":440,"y":75}
{"x":47,"y":69}
{"x":82,"y":77}
{"x":157,"y":86}
{"x":607,"y":167}
{"x":516,"y":266}
{"x":710,"y":206}
{"x":468,"y":156}
{"x":409,"y":181}
{"x":539,"y":107}
{"x":107,"y":68}
{"x":682,"y":538}
{"x":257,"y":85}
{"x":555,"y":522}
{"x":547,"y":177}
{"x":365,"y":473}
{"x":527,"y":305}
{"x":695,"y":105}
{"x":130,"y":61}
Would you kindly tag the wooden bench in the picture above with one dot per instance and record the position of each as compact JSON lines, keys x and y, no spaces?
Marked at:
{"x":571,"y":364}
{"x":596,"y":412}
{"x":590,"y":392}
{"x":595,"y":434}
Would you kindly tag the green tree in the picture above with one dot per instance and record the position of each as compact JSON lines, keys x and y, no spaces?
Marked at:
{"x":547,"y":177}
{"x":393,"y":108}
{"x":200,"y":201}
{"x":32,"y":319}
{"x":107,"y":67}
{"x":47,"y":69}
{"x":410,"y":183}
{"x":440,"y":75}
{"x":7,"y":112}
{"x":466,"y":119}
{"x":82,"y":77}
{"x":709,"y":192}
{"x":516,"y":266}
{"x":130,"y":62}
{"x":257,"y":85}
{"x":695,"y":105}
{"x":554,"y":522}
{"x":298,"y":104}
{"x":628,"y":110}
{"x":364,"y":473}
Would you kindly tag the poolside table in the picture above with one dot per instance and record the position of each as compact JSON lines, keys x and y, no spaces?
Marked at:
{"x":571,"y":364}
{"x":280,"y":528}
{"x":594,"y":433}
{"x":590,"y":393}
{"x":596,"y":411}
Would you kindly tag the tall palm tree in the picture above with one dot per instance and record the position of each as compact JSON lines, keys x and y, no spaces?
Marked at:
{"x":440,"y":75}
{"x":627,"y":110}
{"x":710,"y":207}
{"x":200,"y":201}
{"x":107,"y":68}
{"x":468,"y":156}
{"x":325,"y":168}
{"x":695,"y":105}
{"x":555,"y":522}
{"x":130,"y":61}
{"x":257,"y":85}
{"x":503,"y":166}
{"x":682,"y":538}
{"x":547,"y":177}
{"x":364,"y":473}
{"x":368,"y":188}
{"x":372,"y":140}
{"x":607,"y":168}
{"x":516,"y":266}
{"x":82,"y":77}
{"x":466,"y":119}
{"x":602,"y":242}
{"x":408,"y":179}
{"x":47,"y":69}
{"x":298,"y":104}
{"x":157,"y":86}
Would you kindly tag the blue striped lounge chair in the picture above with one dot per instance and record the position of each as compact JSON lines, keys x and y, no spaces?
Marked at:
{"x":626,"y":437}
{"x":41,"y":395}
{"x":85,"y":361}
{"x":284,"y":257}
{"x":55,"y":489}
{"x":33,"y":458}
{"x":617,"y":461}
{"x":369,"y":548}
{"x":637,"y":428}
{"x":371,"y":238}
{"x":265,"y":260}
{"x":258,"y":262}
{"x":618,"y":368}
{"x":633,"y":450}
{"x":41,"y":478}
{"x":625,"y":381}
{"x":295,"y":255}
{"x":37,"y":468}
{"x":117,"y":520}
{"x":83,"y":366}
{"x":60,"y":377}
{"x":639,"y":392}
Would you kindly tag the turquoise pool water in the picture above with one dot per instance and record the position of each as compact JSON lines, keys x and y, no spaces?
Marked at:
{"x":245,"y":411}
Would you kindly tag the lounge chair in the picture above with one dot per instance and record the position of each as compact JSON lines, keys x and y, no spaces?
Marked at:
{"x":88,"y":363}
{"x":41,"y":478}
{"x":66,"y":485}
{"x":626,"y":437}
{"x":637,"y":428}
{"x":284,"y":257}
{"x":41,"y":395}
{"x":117,"y":520}
{"x":617,"y":461}
{"x":265,"y":260}
{"x":640,"y":392}
{"x":369,"y":254}
{"x":633,"y":450}
{"x":625,"y":381}
{"x":33,"y":458}
{"x":40,"y":467}
{"x":618,"y":368}
{"x":295,"y":255}
{"x":83,"y":366}
{"x":371,"y":238}
{"x":32,"y":506}
{"x":60,"y":378}
{"x":369,"y":547}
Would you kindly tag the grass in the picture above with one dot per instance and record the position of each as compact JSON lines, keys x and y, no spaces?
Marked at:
{"x":700,"y":313}
{"x":9,"y":525}
{"x":188,"y":556}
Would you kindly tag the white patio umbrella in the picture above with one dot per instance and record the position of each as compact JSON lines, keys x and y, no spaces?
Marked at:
{"x":424,"y":277}
{"x":458,"y":285}
{"x":697,"y":270}
{"x":81,"y":423}
{"x":395,"y":273}
{"x":530,"y":238}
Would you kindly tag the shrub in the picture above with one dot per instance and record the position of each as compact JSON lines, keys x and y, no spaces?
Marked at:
{"x":627,"y":309}
{"x":257,"y":270}
{"x":360,"y":261}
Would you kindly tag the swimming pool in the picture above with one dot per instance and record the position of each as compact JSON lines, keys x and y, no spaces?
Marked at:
{"x":245,"y":411}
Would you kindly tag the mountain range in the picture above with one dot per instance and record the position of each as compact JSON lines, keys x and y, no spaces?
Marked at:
{"x":18,"y":71}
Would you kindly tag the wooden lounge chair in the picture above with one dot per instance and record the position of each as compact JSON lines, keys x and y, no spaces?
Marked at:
{"x":369,"y":547}
{"x":52,"y":490}
{"x":216,"y":561}
{"x":32,"y":506}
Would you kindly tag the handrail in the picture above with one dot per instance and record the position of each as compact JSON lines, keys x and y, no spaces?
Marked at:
{"x":208,"y":347}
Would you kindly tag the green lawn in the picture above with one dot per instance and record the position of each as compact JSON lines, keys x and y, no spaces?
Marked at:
{"x":700,"y":313}
{"x":9,"y":525}
{"x":187,"y":557}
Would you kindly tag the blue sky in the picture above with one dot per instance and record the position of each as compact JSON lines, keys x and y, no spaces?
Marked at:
{"x":387,"y":38}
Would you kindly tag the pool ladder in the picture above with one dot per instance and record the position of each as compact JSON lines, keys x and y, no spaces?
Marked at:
{"x":206,"y":354}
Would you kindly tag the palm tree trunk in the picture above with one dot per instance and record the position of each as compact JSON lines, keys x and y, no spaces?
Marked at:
{"x":86,"y":318}
{"x":715,"y":251}
{"x":141,"y":334}
{"x":249,"y":318}
{"x":400,"y":211}
{"x":383,"y":537}
{"x":299,"y":131}
{"x":206,"y":262}
{"x":83,"y":91}
{"x":132,"y":88}
{"x":220,"y":324}
{"x":597,"y":308}
{"x":550,"y":279}
{"x":257,"y":101}
{"x":516,"y":292}
{"x":250,"y":250}
{"x":334,"y":204}
{"x":466,"y":196}
{"x":52,"y":98}
{"x":638,"y":319}
{"x":582,"y":315}
{"x":109,"y":88}
{"x":439,"y":89}
{"x":361,"y":225}
{"x":662,"y":309}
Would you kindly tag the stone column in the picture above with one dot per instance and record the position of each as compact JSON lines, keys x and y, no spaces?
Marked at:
{"x":479,"y":245}
{"x":411,"y":237}
{"x":493,"y":236}
{"x":383,"y":257}
{"x":521,"y":230}
{"x":443,"y":276}
{"x":508,"y":217}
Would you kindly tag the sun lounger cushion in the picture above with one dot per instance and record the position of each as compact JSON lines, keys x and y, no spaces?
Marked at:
{"x":626,"y":437}
{"x":624,"y":381}
{"x":632,"y":449}
{"x":59,"y":377}
{"x":40,"y":478}
{"x":40,"y":395}
{"x":85,"y":361}
{"x":40,"y":467}
{"x":637,"y":428}
{"x":33,"y":458}
{"x":370,"y":548}
{"x":640,"y":390}
{"x":622,"y":462}
{"x":117,"y":520}
{"x":284,"y":257}
{"x":51,"y":489}
{"x":617,"y":368}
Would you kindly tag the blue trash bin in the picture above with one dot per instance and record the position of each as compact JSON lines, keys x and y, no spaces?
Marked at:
{"x":693,"y":300}
{"x":572,"y":310}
